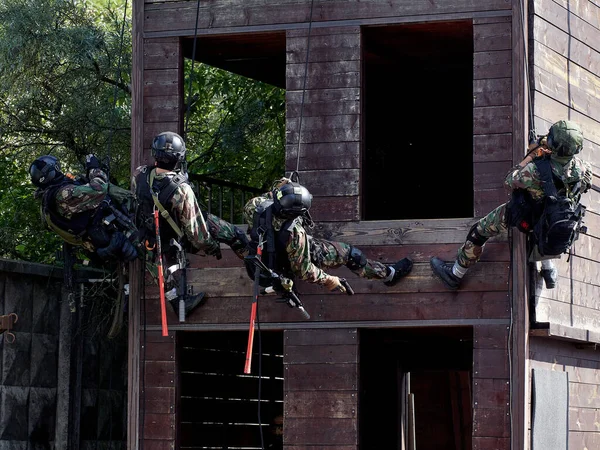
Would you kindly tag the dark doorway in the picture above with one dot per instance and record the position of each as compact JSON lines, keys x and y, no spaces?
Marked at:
{"x":418,"y":121}
{"x":219,"y":403}
{"x":416,"y":389}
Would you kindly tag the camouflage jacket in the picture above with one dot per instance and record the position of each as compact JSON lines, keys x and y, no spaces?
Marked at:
{"x":73,"y":199}
{"x":184,"y":209}
{"x":570,"y":170}
{"x":298,"y":244}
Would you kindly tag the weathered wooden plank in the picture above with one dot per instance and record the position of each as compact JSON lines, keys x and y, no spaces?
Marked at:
{"x":490,"y":363}
{"x":320,"y":377}
{"x":492,"y":147}
{"x":335,"y":209}
{"x":335,"y":405}
{"x":321,"y":354}
{"x":397,"y":232}
{"x":339,"y":182}
{"x":151,"y":129}
{"x":491,"y":36}
{"x":563,"y":313}
{"x":156,"y":336}
{"x":323,"y":102}
{"x":491,"y":423}
{"x":584,"y":395}
{"x":158,"y":445}
{"x":160,"y":351}
{"x":492,"y":120}
{"x":337,"y":78}
{"x":496,"y":64}
{"x":549,"y":110}
{"x":489,"y":336}
{"x":581,"y":439}
{"x":584,"y":419}
{"x":162,"y":54}
{"x":321,"y":337}
{"x":567,"y":21}
{"x":333,"y":47}
{"x":159,"y":400}
{"x":163,"y":109}
{"x":328,"y":155}
{"x":587,"y":10}
{"x":491,"y":443}
{"x":322,"y":31}
{"x":226,"y":14}
{"x":159,"y":426}
{"x":491,"y":393}
{"x":482,"y":277}
{"x":159,"y":374}
{"x":490,"y":175}
{"x":577,"y":368}
{"x":161,"y":82}
{"x":575,"y":292}
{"x":324,"y":129}
{"x":558,"y":40}
{"x":486,"y":200}
{"x":320,"y":431}
{"x":492,"y":92}
{"x":562,"y":353}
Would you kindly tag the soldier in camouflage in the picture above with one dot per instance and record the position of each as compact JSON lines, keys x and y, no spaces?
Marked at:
{"x":181,"y":217}
{"x":563,"y":142}
{"x":307,"y":256}
{"x":78,"y":209}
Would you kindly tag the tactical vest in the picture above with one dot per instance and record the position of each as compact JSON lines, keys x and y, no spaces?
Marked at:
{"x":165,"y":188}
{"x":274,"y":254}
{"x":74,"y":230}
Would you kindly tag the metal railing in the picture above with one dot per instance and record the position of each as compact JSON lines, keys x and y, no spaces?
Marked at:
{"x":222,"y":198}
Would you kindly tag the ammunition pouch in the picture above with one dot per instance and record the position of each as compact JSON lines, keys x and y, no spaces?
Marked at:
{"x":520,"y":211}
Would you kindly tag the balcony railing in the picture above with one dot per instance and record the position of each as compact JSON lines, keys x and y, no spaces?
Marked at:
{"x":223,"y":198}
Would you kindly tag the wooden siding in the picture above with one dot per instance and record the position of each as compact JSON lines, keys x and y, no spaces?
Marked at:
{"x":330,"y":161}
{"x":583,"y":367}
{"x":566,"y":79}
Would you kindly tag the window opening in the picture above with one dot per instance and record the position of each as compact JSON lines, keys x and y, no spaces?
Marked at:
{"x":418,"y":121}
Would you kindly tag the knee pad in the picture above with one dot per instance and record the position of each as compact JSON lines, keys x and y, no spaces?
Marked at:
{"x":475,"y":237}
{"x":356,"y":259}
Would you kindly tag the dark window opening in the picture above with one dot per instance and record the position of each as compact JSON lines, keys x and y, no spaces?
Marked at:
{"x":416,"y":388}
{"x":418,"y":121}
{"x":219,"y":403}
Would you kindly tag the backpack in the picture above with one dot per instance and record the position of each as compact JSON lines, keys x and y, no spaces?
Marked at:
{"x":561,"y":219}
{"x":273,"y":243}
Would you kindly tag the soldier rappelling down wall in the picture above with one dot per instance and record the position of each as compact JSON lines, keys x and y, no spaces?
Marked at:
{"x":546,"y":190}
{"x":281,"y":217}
{"x":182,"y":225}
{"x":85,"y":211}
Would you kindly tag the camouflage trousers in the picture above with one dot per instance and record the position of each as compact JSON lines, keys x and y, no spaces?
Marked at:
{"x":491,"y":225}
{"x":222,"y":231}
{"x":331,"y":255}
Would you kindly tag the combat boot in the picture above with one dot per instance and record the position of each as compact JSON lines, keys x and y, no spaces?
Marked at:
{"x":191,"y":302}
{"x":550,"y":277}
{"x":401,"y":269}
{"x":444,"y":271}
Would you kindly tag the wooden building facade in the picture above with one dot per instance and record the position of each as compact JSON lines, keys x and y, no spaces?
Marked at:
{"x":413,"y":112}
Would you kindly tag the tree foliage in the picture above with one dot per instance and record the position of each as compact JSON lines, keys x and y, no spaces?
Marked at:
{"x":65,"y":90}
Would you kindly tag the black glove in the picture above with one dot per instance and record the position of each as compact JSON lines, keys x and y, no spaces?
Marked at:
{"x":91,"y":162}
{"x":119,"y":248}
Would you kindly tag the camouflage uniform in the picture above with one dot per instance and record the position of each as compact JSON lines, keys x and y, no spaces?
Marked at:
{"x":570,"y":169}
{"x":187,"y":214}
{"x":308,"y":256}
{"x":73,"y":199}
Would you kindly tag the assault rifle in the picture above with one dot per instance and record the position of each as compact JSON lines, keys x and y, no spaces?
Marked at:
{"x":282,"y":286}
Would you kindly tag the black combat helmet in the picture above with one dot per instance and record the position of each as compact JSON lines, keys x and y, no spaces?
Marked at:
{"x":45,"y":171}
{"x":565,"y":138}
{"x":168,"y":149}
{"x":291,"y":200}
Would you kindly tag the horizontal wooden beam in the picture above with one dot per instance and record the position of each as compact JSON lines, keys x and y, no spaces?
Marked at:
{"x":337,"y":325}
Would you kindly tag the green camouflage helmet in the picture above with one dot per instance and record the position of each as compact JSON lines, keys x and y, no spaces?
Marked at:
{"x":565,"y":138}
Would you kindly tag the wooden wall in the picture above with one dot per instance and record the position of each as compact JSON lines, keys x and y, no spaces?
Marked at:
{"x":582,"y":363}
{"x":566,"y":82}
{"x":330,"y":157}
